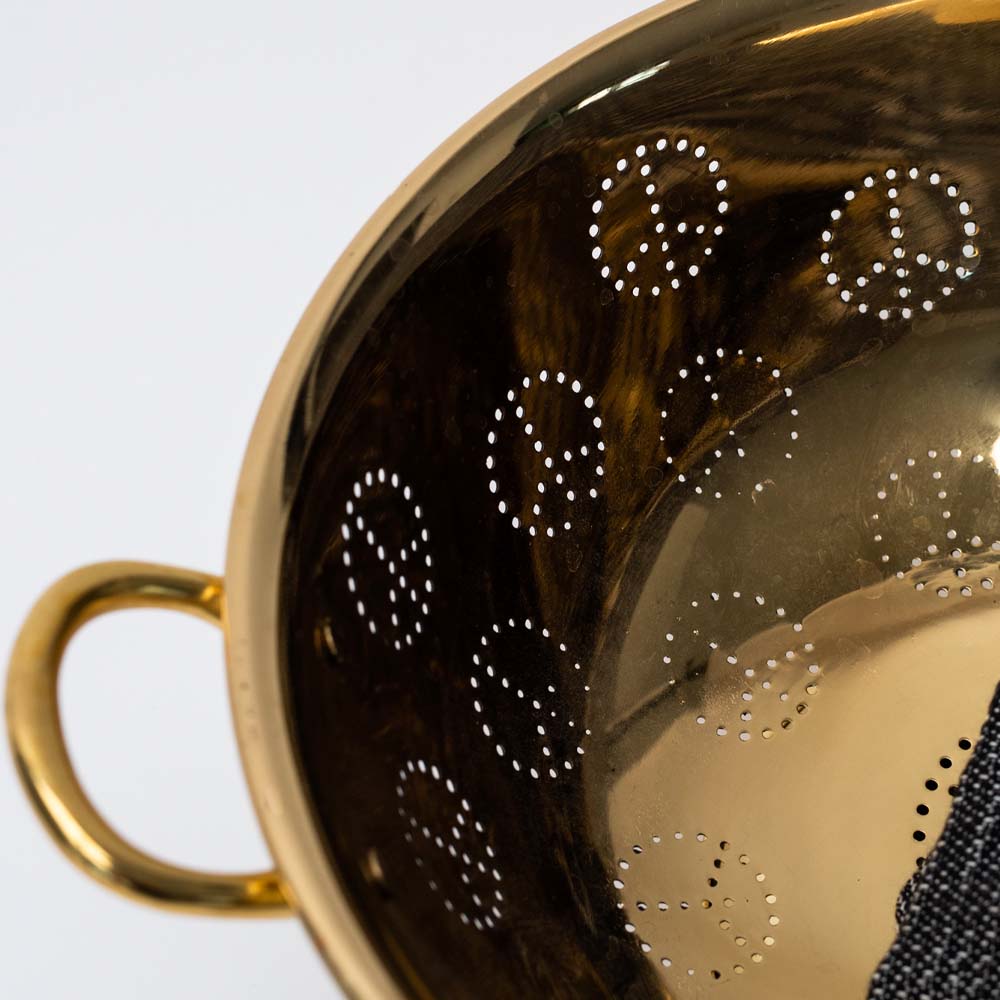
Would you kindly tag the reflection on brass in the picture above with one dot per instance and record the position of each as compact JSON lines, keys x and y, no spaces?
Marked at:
{"x":612,"y":587}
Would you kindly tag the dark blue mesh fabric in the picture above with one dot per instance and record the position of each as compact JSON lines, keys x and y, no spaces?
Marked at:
{"x":949,"y":912}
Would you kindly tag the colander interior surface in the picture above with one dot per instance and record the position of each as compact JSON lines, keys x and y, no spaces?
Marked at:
{"x":639,"y":590}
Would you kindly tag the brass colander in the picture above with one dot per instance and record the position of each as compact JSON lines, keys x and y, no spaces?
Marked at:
{"x":610,"y":588}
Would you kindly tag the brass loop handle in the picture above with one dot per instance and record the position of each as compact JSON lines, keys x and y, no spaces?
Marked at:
{"x":43,"y":762}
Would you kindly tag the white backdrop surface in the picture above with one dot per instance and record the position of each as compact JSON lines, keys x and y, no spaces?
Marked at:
{"x":175,"y":180}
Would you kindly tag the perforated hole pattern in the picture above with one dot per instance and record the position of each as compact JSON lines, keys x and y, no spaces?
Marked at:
{"x":549,"y":443}
{"x":392,"y":584}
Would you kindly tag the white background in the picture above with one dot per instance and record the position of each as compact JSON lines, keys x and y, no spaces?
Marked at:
{"x":175,"y":180}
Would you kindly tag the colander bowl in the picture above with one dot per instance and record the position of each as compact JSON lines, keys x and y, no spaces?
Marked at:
{"x":611,"y":593}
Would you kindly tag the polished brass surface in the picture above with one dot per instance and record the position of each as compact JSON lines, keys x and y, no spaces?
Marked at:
{"x":43,"y":761}
{"x":713,"y":529}
{"x":611,"y":583}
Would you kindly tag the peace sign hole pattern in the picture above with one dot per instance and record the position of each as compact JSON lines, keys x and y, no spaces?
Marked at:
{"x":386,"y":557}
{"x":545,"y":458}
{"x":903,"y":240}
{"x":658,"y":215}
{"x":458,"y":860}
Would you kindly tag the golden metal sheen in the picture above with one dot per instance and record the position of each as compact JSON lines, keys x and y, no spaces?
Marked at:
{"x":689,"y":738}
{"x":43,"y":761}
